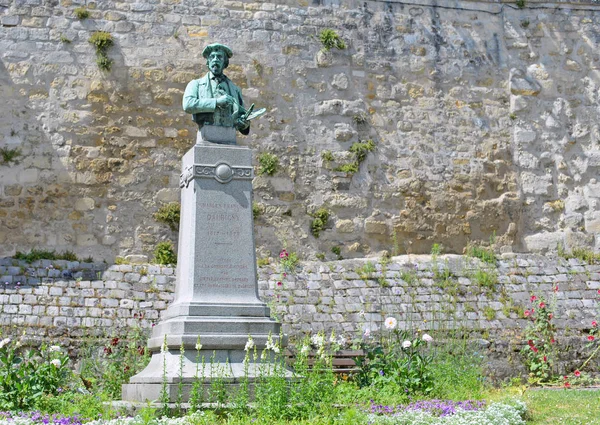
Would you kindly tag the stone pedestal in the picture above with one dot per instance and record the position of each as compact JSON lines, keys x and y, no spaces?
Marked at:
{"x":216,"y":295}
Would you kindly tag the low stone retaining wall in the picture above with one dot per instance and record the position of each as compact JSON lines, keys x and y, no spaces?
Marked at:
{"x":69,"y":300}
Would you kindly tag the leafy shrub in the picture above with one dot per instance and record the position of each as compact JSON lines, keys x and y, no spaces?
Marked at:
{"x":268,"y":164}
{"x":331,"y":40}
{"x":28,"y":374}
{"x":317,"y":225}
{"x":164,"y":253}
{"x":169,"y":214}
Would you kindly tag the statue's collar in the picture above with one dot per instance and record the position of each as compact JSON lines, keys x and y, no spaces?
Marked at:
{"x":218,"y":79}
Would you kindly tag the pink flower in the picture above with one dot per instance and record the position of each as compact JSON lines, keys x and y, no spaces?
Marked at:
{"x":535,"y":350}
{"x":577,"y":373}
{"x":530,"y":342}
{"x":283,"y":254}
{"x":527,"y":313}
{"x":542,"y":305}
{"x":594,"y":323}
{"x":545,"y":358}
{"x":550,"y":316}
{"x":556,"y":288}
{"x":533,"y":298}
{"x":590,"y":337}
{"x":279,"y":284}
{"x":567,"y":385}
{"x":552,"y":340}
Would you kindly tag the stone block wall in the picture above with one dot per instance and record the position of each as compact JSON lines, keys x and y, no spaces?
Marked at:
{"x":484,"y":117}
{"x":71,"y":301}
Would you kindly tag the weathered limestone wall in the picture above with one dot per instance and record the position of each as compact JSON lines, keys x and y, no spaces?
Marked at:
{"x":68,"y":301}
{"x":485,"y":117}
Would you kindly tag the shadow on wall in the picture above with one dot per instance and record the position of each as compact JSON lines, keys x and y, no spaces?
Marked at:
{"x":74,"y":182}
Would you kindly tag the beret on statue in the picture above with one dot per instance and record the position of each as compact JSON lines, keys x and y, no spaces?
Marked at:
{"x":216,"y":46}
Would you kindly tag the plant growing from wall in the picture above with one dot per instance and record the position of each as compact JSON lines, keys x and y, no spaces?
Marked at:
{"x":268,"y":164}
{"x":81,"y":13}
{"x":42,"y":254}
{"x":337,"y":251}
{"x":317,"y":225}
{"x":169,"y":214}
{"x":360,"y":151}
{"x":102,"y":40}
{"x":520,"y":3}
{"x":331,"y":40}
{"x":9,"y":155}
{"x":360,"y":118}
{"x":484,"y":254}
{"x":164,"y":253}
{"x":257,"y":210}
{"x":327,"y":156}
{"x":288,"y":261}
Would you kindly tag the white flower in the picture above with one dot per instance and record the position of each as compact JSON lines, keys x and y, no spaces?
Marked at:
{"x":54,"y":348}
{"x":56,"y":362}
{"x":198,"y":346}
{"x":341,"y":341}
{"x":361,"y":313}
{"x":427,"y":338}
{"x":367,"y":333}
{"x":318,"y":340}
{"x":249,"y":344}
{"x":390,"y":323}
{"x":406,"y":344}
{"x":305,"y":349}
{"x":4,"y":342}
{"x":271,"y":345}
{"x":332,"y":338}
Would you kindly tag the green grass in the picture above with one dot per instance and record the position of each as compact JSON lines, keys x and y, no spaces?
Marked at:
{"x":563,"y":407}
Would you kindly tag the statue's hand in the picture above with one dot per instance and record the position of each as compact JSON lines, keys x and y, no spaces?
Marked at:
{"x":242,"y":124}
{"x":224,"y":101}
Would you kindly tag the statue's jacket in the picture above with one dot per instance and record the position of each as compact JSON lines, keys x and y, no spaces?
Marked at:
{"x":200,"y":101}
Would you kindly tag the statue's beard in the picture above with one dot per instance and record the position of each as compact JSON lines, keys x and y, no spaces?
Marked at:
{"x":216,"y":68}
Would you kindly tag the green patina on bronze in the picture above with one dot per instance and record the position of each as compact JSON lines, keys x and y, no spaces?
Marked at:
{"x":214,"y":99}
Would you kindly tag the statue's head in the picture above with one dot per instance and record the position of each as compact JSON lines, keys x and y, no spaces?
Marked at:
{"x":217,"y":57}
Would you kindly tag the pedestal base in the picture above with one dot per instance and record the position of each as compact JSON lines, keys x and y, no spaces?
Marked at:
{"x":216,"y":297}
